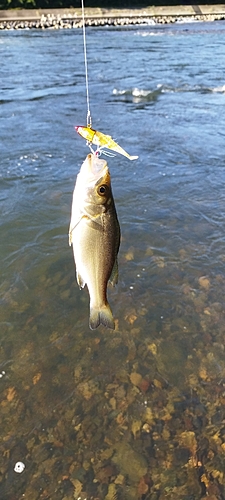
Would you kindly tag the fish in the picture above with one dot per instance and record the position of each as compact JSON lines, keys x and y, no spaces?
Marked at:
{"x":94,"y":233}
{"x":102,"y":140}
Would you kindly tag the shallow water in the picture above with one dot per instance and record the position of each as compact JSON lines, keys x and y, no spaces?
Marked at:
{"x":137,"y":413}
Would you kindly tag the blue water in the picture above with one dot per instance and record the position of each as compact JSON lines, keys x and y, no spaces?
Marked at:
{"x":71,"y":409}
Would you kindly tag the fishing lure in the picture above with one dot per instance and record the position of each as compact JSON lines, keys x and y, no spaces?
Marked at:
{"x":102,"y":141}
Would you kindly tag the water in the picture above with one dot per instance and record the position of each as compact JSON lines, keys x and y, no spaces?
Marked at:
{"x":137,"y":413}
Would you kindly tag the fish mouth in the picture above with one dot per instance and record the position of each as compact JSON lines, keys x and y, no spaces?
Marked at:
{"x":94,"y":168}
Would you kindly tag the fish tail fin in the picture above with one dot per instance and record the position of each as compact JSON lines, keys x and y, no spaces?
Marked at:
{"x":101,"y":316}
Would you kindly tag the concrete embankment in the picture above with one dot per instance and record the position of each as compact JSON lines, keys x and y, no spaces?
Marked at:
{"x":72,"y":18}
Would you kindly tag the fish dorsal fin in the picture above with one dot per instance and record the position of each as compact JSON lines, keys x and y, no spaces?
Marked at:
{"x":114,"y":274}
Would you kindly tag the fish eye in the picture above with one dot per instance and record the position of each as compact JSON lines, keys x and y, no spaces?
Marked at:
{"x":102,"y":189}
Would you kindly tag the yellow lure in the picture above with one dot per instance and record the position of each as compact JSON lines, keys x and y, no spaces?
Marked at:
{"x":102,"y":141}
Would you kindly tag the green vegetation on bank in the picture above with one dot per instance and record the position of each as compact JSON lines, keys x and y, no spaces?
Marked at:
{"x":52,"y":4}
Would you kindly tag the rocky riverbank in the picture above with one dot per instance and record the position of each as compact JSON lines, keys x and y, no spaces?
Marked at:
{"x":71,"y":18}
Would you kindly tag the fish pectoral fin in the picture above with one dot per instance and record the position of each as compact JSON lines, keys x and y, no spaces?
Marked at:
{"x":114,"y":274}
{"x":101,"y":316}
{"x":72,"y":227}
{"x":81,"y":283}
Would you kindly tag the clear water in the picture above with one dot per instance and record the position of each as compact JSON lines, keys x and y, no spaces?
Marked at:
{"x":137,"y":413}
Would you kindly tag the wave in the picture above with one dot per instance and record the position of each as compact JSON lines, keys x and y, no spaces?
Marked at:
{"x":137,"y":95}
{"x":219,"y":89}
{"x":144,"y":95}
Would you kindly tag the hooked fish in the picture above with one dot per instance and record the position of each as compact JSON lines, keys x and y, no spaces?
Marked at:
{"x":102,"y":141}
{"x":95,"y":235}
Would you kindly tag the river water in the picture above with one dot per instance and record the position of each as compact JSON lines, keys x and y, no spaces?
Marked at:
{"x":137,"y":413}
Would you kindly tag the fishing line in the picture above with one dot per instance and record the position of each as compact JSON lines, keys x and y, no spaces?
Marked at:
{"x":89,"y":121}
{"x":92,"y":136}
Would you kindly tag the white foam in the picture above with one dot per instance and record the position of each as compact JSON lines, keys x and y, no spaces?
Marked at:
{"x":219,"y":89}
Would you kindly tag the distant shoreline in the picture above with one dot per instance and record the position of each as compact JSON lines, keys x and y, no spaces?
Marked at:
{"x":72,"y":18}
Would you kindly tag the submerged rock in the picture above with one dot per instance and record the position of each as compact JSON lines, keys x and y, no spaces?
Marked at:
{"x":130,"y":462}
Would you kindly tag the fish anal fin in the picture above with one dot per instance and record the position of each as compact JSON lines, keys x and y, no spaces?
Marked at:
{"x":114,"y":274}
{"x":80,"y":281}
{"x":101,"y":316}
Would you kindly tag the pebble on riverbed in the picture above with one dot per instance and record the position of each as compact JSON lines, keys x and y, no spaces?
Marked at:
{"x":57,"y":22}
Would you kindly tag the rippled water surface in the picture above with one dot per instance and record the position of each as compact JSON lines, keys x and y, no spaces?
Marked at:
{"x":137,"y":413}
